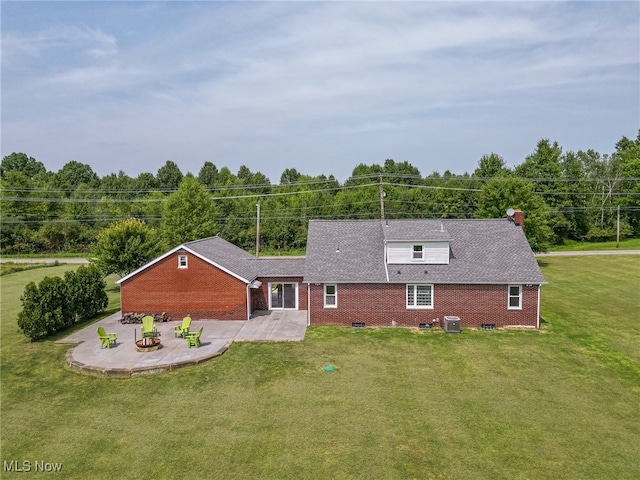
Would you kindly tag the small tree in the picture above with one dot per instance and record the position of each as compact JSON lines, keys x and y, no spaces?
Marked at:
{"x":46,"y":308}
{"x":125,"y":246}
{"x":87,"y":291}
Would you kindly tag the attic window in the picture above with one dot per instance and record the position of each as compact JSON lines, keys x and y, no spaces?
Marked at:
{"x":418,"y":252}
{"x":182,"y":261}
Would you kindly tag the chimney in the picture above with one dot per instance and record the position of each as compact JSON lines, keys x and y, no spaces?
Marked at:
{"x":518,"y":218}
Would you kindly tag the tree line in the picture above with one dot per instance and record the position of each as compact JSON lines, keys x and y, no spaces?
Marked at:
{"x":565,"y":196}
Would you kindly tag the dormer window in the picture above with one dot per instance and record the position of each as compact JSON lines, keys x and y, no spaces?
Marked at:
{"x":182,"y":261}
{"x":428,"y":252}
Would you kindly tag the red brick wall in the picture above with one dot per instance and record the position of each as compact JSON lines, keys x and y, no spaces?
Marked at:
{"x":260,"y":296}
{"x":380,"y":304}
{"x":201,"y":290}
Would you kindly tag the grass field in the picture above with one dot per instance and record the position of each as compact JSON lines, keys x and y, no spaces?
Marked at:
{"x":559,"y":403}
{"x":569,"y":245}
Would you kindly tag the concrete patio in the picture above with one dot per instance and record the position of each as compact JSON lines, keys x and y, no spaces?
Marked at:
{"x":123,"y":359}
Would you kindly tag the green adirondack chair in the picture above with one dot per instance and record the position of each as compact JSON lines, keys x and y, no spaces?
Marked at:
{"x":106,"y":339}
{"x":148,"y":327}
{"x":193,"y":338}
{"x":182,"y":329}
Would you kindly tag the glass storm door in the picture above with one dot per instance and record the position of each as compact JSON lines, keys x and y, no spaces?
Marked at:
{"x":283,"y":295}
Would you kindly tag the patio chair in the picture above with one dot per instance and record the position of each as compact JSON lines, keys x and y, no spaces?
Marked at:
{"x":148,"y":327}
{"x":182,"y":329}
{"x":106,"y":338}
{"x":193,"y":338}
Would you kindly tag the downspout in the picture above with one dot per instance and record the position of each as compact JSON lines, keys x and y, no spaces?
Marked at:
{"x":248,"y":301}
{"x":386,"y":269}
{"x":538,"y":317}
{"x":308,"y":304}
{"x":120,"y":285}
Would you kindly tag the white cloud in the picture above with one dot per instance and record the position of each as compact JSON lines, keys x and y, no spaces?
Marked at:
{"x":72,"y":40}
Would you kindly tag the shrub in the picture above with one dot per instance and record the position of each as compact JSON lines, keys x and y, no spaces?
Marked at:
{"x":55,"y":303}
{"x":86,"y":291}
{"x":46,"y":308}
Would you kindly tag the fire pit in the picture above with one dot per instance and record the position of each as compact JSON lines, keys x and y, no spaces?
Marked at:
{"x":148,"y":344}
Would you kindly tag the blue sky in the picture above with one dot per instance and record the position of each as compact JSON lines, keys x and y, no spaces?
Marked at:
{"x":316,"y":86}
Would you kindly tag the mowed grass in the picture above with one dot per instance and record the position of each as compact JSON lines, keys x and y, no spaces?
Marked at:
{"x":572,"y":245}
{"x":559,"y":403}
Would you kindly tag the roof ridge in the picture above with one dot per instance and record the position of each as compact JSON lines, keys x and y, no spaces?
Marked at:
{"x":204,"y":239}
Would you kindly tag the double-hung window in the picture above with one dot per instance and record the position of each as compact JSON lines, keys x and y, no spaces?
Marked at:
{"x":182,"y":261}
{"x":419,"y":296}
{"x":515,"y":297}
{"x":417,"y":253}
{"x":330,"y":295}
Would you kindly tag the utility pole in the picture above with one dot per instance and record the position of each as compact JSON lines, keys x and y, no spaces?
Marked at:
{"x":258,"y":230}
{"x":618,"y":229}
{"x":382,"y":195}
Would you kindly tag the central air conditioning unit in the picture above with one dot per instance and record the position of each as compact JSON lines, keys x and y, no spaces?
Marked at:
{"x":451,"y":324}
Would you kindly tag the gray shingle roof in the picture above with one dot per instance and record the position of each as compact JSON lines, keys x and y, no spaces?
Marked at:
{"x":242,"y":263}
{"x":225,"y":254}
{"x":482,"y":251}
{"x":279,"y":267}
{"x":415,"y":230}
{"x":345,"y":251}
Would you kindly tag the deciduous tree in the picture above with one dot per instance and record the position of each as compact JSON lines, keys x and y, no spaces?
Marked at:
{"x":169,"y":176}
{"x":188,"y":214}
{"x":502,"y":193}
{"x":20,"y":162}
{"x":125,"y":246}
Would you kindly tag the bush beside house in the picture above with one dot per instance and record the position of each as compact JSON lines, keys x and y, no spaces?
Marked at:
{"x":56,"y":303}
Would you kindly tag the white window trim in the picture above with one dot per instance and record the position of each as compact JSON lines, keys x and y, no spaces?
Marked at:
{"x":415,"y":297}
{"x":186,"y":261}
{"x":270,"y":286}
{"x":519,"y":307}
{"x":414,"y":259}
{"x":324,"y":296}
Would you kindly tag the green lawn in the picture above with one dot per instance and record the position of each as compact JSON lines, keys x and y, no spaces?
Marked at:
{"x":571,"y":245}
{"x":559,"y":403}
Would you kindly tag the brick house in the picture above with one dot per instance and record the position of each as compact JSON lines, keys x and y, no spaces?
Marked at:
{"x":213,"y":279}
{"x":382,"y":273}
